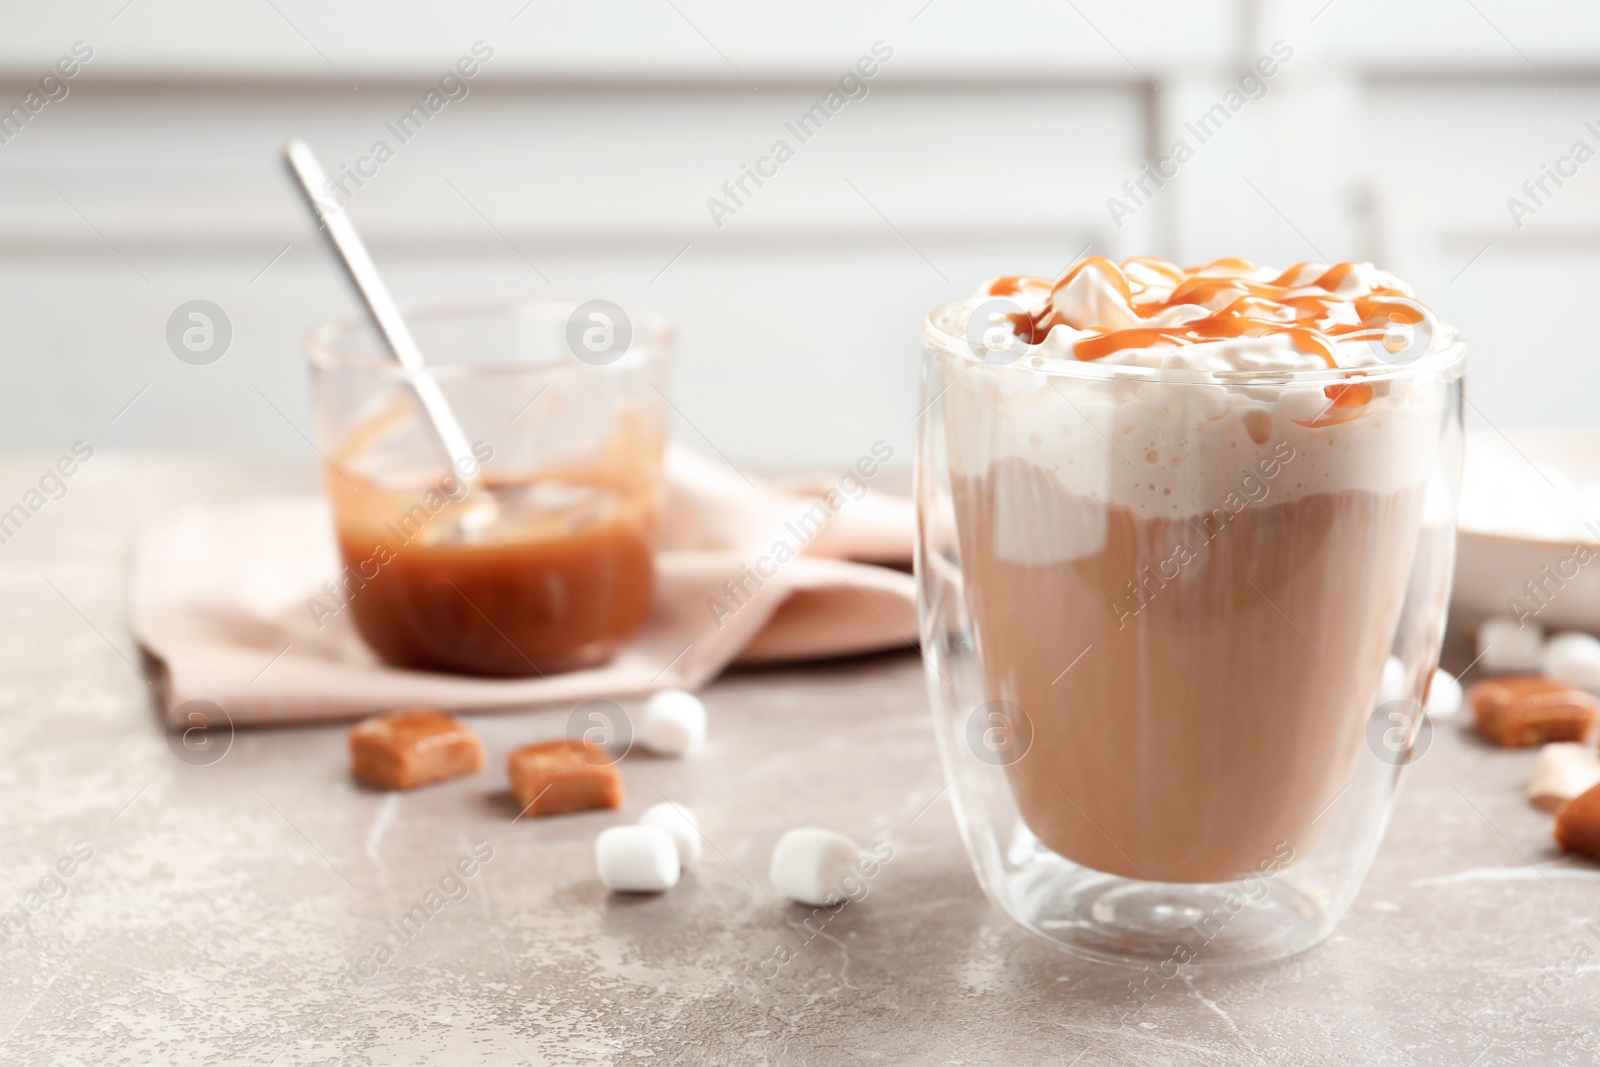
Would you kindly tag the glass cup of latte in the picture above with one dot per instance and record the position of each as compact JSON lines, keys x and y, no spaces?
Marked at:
{"x":1176,"y":528}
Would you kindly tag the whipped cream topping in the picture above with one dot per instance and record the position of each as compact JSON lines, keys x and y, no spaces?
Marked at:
{"x":1180,"y":444}
{"x":1228,"y":315}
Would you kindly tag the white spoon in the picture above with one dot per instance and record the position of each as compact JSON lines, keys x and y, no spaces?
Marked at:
{"x":352,"y":253}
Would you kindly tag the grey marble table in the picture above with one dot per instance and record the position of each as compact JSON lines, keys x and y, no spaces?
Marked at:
{"x":231,"y":913}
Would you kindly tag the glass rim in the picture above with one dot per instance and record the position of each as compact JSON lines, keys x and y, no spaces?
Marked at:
{"x":324,"y":351}
{"x":1448,"y":355}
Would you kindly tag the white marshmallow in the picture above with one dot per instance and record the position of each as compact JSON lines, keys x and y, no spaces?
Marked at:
{"x":636,"y":859}
{"x":1444,"y":697}
{"x":680,"y":823}
{"x":1506,"y":646}
{"x":1565,"y":770}
{"x":1393,"y":685}
{"x":1573,"y":659}
{"x":674,"y":723}
{"x":809,"y":864}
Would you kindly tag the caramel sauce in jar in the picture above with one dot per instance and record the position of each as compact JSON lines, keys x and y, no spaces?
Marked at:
{"x":556,"y":576}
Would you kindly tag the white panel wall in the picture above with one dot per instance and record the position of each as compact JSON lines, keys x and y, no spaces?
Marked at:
{"x":581,"y":161}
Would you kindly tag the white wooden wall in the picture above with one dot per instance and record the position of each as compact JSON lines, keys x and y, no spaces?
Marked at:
{"x":581,"y":162}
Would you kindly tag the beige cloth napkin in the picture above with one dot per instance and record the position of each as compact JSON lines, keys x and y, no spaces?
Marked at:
{"x":219,"y":601}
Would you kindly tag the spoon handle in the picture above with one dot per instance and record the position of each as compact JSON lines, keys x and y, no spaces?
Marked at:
{"x":364,"y":273}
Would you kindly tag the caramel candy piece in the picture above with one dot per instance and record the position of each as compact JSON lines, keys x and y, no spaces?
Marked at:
{"x":563,"y":776}
{"x":1529,"y":710}
{"x":1578,"y":825}
{"x":405,"y":749}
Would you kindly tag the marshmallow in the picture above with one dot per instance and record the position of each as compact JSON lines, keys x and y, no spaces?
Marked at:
{"x":1573,"y":659}
{"x":1506,"y":646}
{"x":679,"y":822}
{"x":1444,"y":697}
{"x":1565,"y":770}
{"x":809,"y":864}
{"x":674,"y":723}
{"x":1393,"y":685}
{"x":636,"y":859}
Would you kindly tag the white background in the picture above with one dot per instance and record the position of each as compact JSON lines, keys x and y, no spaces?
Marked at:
{"x":590,"y":143}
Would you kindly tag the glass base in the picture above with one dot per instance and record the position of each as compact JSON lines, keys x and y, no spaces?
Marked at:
{"x":1135,"y":923}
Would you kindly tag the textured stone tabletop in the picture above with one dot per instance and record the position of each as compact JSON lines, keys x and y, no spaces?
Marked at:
{"x":230,"y":913}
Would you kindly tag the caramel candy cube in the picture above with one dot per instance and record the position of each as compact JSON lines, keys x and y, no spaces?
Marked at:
{"x":564,"y":776}
{"x":405,"y":749}
{"x":1578,"y":824}
{"x":1529,"y":710}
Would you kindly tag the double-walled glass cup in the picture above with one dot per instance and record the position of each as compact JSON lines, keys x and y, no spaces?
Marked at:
{"x":1158,"y":613}
{"x":546,"y":561}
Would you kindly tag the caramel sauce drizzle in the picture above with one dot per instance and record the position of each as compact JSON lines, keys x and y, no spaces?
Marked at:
{"x":1239,"y":306}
